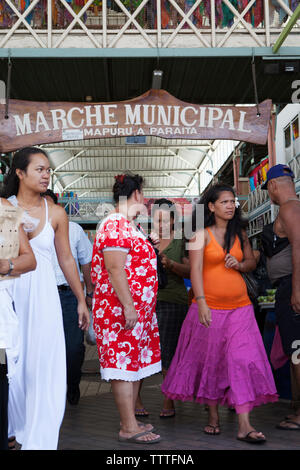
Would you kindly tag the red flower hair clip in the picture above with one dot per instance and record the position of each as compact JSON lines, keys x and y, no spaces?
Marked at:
{"x":120,"y":178}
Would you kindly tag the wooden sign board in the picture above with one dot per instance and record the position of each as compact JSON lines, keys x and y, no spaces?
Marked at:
{"x":155,"y":113}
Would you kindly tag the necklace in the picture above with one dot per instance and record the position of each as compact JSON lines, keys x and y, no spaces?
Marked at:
{"x":29,"y":209}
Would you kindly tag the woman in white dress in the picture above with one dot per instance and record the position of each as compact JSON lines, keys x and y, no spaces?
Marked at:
{"x":38,"y":390}
{"x":16,"y":257}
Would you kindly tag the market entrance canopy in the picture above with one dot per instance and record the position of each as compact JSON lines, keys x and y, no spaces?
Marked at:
{"x":155,"y":113}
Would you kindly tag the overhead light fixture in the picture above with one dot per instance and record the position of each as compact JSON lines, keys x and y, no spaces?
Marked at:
{"x":88,"y":98}
{"x":157,"y":79}
{"x":291,"y":67}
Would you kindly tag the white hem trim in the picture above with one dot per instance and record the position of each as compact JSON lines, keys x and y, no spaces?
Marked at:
{"x":116,"y":248}
{"x":110,"y":373}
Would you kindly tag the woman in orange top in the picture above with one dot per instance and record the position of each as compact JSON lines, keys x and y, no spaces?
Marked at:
{"x":220,"y":357}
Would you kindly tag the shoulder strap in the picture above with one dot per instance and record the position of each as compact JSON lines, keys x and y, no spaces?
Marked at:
{"x":46,"y":204}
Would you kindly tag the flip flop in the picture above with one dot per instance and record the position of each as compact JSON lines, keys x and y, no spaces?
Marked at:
{"x":141,"y":425}
{"x":214,"y":428}
{"x":11,"y":443}
{"x":252,"y":440}
{"x":135,"y":439}
{"x":288,"y":417}
{"x":170,"y":413}
{"x":141,"y":412}
{"x":286,"y":428}
{"x":144,"y":425}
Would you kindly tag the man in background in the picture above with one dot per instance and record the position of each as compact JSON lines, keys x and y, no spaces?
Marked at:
{"x":282,"y":248}
{"x":82,"y":250}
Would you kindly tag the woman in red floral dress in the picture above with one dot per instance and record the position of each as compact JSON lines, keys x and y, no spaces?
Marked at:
{"x":125,"y":275}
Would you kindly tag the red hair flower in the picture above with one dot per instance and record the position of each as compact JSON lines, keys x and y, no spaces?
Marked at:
{"x":120,"y":178}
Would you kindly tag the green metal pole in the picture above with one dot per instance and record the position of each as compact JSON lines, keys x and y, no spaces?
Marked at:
{"x":286,"y":31}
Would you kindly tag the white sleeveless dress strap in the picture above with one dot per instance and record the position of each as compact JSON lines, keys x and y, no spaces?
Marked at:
{"x":38,"y":388}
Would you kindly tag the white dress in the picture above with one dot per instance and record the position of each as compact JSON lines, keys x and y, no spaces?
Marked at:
{"x":37,"y":393}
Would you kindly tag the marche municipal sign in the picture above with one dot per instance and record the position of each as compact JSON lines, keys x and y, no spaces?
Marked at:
{"x":155,"y":113}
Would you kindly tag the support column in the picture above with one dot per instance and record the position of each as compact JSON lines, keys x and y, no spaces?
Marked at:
{"x":236,"y":170}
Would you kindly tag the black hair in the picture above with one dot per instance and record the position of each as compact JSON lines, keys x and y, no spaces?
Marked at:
{"x":51,"y":194}
{"x":167,"y":205}
{"x":126,"y":184}
{"x":20,"y":161}
{"x":234,"y":226}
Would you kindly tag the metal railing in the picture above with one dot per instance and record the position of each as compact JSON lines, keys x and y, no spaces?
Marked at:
{"x":91,"y":210}
{"x":154,"y":23}
{"x":256,"y":225}
{"x":294,"y":164}
{"x":256,"y":198}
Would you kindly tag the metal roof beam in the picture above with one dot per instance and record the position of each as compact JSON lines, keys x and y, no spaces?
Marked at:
{"x":134,"y":156}
{"x":182,"y":159}
{"x":107,"y":173}
{"x":204,"y":143}
{"x":197,"y":172}
{"x":69,"y":160}
{"x":155,"y":188}
{"x":174,"y":178}
{"x":75,"y":181}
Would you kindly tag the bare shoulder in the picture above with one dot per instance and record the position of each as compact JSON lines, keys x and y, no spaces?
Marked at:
{"x":288,"y":220}
{"x":289,"y":211}
{"x":202,"y":232}
{"x":57,"y":214}
{"x":199,"y":240}
{"x":206,"y":236}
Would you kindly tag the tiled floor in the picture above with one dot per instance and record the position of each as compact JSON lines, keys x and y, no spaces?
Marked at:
{"x":93,"y":423}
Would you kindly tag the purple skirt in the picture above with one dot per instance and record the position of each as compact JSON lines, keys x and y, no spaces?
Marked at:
{"x":224,"y":364}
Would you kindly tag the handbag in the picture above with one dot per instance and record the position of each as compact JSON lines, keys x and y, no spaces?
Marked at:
{"x":271,"y":243}
{"x":252,"y":285}
{"x":10,"y":220}
{"x":162,"y":276}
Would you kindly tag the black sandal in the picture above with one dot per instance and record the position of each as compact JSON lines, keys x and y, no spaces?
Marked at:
{"x":214,"y":433}
{"x":12,"y":441}
{"x":288,"y":428}
{"x":252,"y":440}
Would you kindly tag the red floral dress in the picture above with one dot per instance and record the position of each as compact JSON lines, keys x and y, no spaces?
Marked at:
{"x":125,"y":354}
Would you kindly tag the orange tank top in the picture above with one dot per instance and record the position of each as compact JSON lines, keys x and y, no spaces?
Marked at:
{"x":224,"y":288}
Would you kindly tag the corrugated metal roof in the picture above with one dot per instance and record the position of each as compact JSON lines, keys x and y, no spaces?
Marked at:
{"x":88,"y":167}
{"x":213,"y":80}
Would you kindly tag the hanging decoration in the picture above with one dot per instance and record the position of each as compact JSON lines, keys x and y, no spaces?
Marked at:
{"x":147,"y":18}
